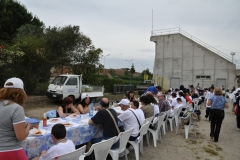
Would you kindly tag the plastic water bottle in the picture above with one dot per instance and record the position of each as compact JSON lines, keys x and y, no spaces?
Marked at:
{"x":91,"y":109}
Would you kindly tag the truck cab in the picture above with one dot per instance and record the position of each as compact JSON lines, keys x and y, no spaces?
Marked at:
{"x":70,"y":85}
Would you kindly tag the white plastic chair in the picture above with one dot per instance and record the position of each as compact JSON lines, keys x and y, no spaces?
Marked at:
{"x":177,"y":115}
{"x":170,"y":120}
{"x":100,"y":149}
{"x":123,"y":139}
{"x":177,"y":118}
{"x":196,"y":106}
{"x":191,"y":123}
{"x":149,"y":119}
{"x":138,"y":141}
{"x":72,"y":155}
{"x":156,"y":133}
{"x":164,"y":124}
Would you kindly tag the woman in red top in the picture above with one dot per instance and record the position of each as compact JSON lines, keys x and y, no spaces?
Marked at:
{"x":188,"y":98}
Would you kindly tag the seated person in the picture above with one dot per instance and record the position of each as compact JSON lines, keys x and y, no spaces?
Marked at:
{"x":66,"y":108}
{"x":62,"y":145}
{"x":130,"y":96}
{"x":139,"y":113}
{"x":104,"y":118}
{"x":154,"y":103}
{"x":84,"y":105}
{"x":188,"y":98}
{"x":147,"y":108}
{"x":163,"y":104}
{"x":129,"y":119}
{"x":179,"y":103}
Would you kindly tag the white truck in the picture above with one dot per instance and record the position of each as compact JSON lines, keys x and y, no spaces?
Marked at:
{"x":71,"y":85}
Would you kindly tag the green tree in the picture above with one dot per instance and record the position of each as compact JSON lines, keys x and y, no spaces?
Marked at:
{"x":112,"y":71}
{"x":100,"y":68}
{"x":36,"y":65}
{"x":150,"y":75}
{"x":61,"y":42}
{"x":12,"y":16}
{"x":10,"y":62}
{"x":132,"y":70}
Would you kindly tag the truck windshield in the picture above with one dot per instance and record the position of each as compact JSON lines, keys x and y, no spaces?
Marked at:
{"x":60,"y":80}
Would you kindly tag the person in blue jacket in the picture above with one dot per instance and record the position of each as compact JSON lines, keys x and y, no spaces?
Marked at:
{"x":154,"y":89}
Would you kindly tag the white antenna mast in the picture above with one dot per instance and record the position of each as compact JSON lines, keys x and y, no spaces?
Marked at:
{"x":152,"y":22}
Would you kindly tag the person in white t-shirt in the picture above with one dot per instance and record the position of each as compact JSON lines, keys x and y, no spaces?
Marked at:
{"x":179,"y":104}
{"x":209,"y":94}
{"x":174,"y":100}
{"x":139,"y":113}
{"x":129,"y":119}
{"x":62,"y":145}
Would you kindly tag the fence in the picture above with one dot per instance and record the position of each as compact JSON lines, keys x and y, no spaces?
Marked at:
{"x":120,"y":88}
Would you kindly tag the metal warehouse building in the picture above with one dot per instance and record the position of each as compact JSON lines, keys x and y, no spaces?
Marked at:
{"x":181,"y":59}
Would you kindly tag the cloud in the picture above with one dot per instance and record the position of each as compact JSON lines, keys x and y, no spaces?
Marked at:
{"x":123,"y":28}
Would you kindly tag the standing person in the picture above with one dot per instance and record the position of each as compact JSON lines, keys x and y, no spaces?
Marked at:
{"x":163,"y":103}
{"x":154,"y":89}
{"x":217,"y":103}
{"x":62,"y":145}
{"x":66,"y":108}
{"x":237,"y":111}
{"x":84,"y":105}
{"x":208,"y":107}
{"x":13,"y":127}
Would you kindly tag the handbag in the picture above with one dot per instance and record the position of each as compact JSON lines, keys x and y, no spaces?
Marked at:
{"x":114,"y":121}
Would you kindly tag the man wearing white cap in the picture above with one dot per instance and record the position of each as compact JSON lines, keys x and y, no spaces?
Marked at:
{"x":129,"y":119}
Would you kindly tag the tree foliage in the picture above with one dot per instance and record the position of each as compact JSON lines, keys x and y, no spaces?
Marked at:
{"x":30,"y":49}
{"x":132,"y":70}
{"x":12,"y":16}
{"x":112,"y":71}
{"x":146,"y":71}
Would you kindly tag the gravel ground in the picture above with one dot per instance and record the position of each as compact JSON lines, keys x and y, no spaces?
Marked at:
{"x":172,"y":146}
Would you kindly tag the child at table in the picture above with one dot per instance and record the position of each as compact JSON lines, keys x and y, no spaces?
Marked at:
{"x":62,"y":145}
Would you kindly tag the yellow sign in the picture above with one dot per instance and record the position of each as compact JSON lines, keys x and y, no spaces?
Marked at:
{"x":145,"y":76}
{"x":162,"y":81}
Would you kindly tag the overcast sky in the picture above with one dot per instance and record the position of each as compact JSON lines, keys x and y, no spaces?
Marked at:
{"x":122,"y":28}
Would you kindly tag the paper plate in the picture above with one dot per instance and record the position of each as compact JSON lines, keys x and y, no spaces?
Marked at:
{"x":67,"y":124}
{"x":37,"y":132}
{"x":54,"y":120}
{"x":74,"y":116}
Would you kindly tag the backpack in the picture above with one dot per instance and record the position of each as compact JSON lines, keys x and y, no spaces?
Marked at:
{"x":196,"y":117}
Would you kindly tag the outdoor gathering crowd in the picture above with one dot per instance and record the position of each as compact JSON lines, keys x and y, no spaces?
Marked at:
{"x":152,"y":103}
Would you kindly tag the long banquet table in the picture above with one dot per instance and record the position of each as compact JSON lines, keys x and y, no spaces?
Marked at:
{"x":79,"y":132}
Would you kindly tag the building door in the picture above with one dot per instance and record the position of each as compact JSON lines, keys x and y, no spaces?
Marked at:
{"x":174,"y":83}
{"x":220,"y":82}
